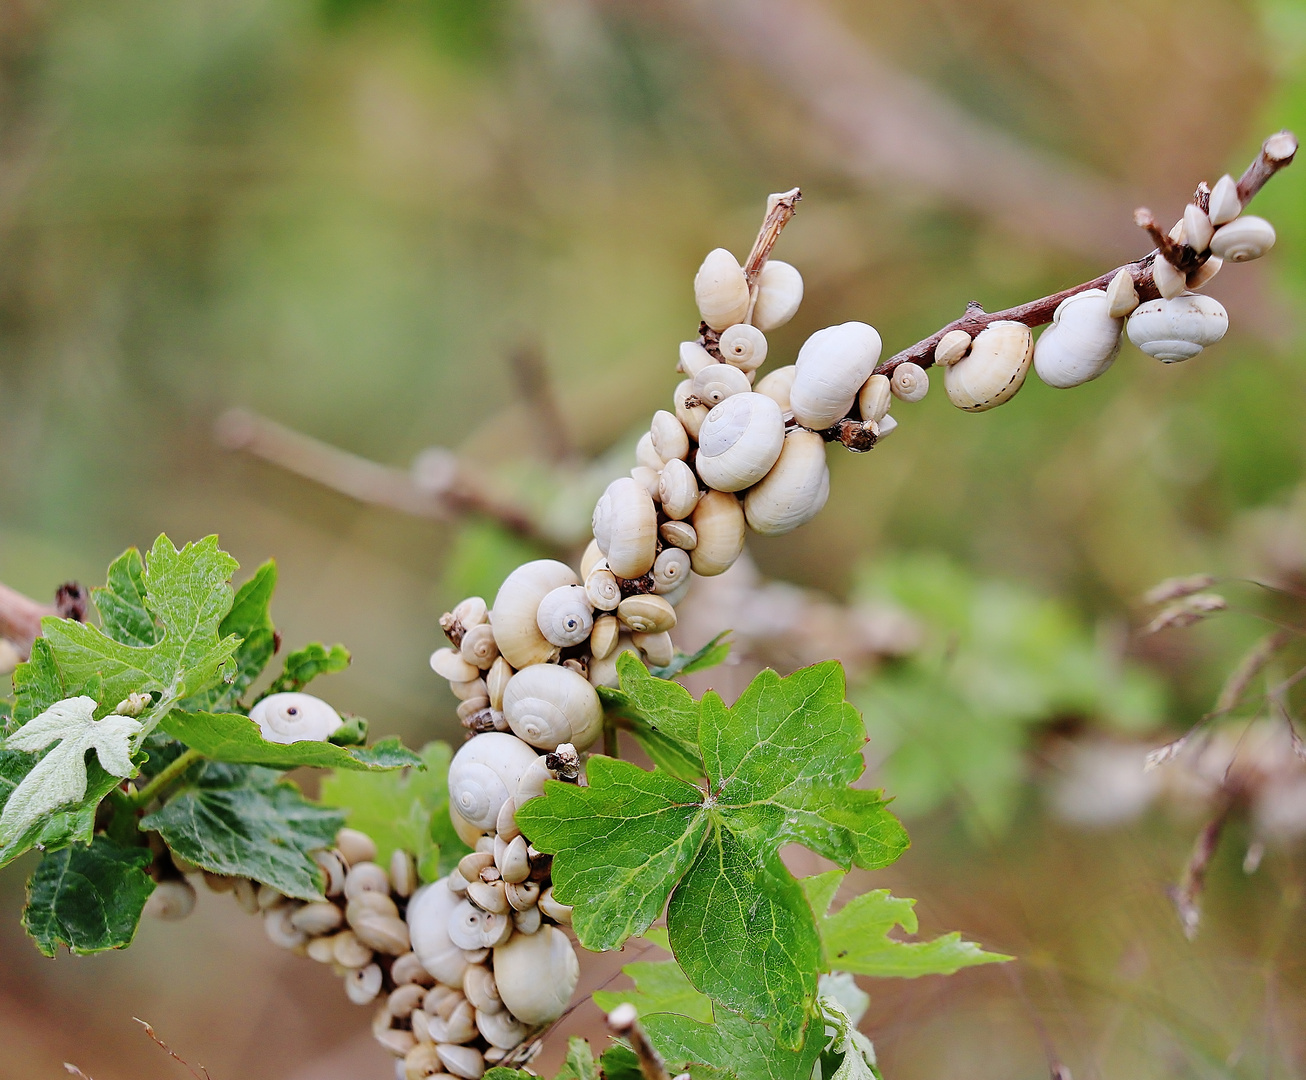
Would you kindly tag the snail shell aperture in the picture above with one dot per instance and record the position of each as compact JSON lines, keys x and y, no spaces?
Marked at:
{"x":565,"y":616}
{"x":295,"y":717}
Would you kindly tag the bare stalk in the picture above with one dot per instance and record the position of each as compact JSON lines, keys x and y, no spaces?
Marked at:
{"x":20,"y":616}
{"x":623,"y":1021}
{"x":1187,"y":895}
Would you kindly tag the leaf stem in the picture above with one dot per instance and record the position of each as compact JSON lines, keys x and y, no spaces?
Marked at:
{"x":165,"y":778}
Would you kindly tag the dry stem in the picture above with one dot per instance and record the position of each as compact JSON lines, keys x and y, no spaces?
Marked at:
{"x":20,"y":616}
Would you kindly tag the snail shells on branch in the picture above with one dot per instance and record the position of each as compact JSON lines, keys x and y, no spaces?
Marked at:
{"x":742,"y":346}
{"x":777,"y":385}
{"x":1242,"y":240}
{"x":910,"y":382}
{"x":1082,"y":342}
{"x":875,"y":397}
{"x":739,"y":442}
{"x":1177,"y":329}
{"x":779,"y":294}
{"x":670,"y":440}
{"x":717,"y":382}
{"x":565,"y":616}
{"x":547,"y":705}
{"x":721,"y":290}
{"x":479,"y":648}
{"x":670,"y":570}
{"x":625,"y":526}
{"x":692,"y":416}
{"x":718,"y":523}
{"x":794,"y":491}
{"x":993,"y":370}
{"x":1224,"y":203}
{"x":677,"y":489}
{"x":536,"y":975}
{"x":832,"y":366}
{"x":693,"y":358}
{"x":295,"y":717}
{"x":647,"y":615}
{"x":515,"y":630}
{"x":486,"y":769}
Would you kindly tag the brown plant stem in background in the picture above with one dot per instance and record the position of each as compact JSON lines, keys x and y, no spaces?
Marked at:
{"x":623,"y":1022}
{"x":532,"y":376}
{"x":1187,"y":895}
{"x":20,"y":616}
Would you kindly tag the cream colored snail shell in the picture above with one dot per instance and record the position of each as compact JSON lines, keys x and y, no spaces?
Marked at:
{"x":602,"y":588}
{"x":679,"y":534}
{"x":485,"y":770}
{"x":677,"y":489}
{"x":1121,"y":295}
{"x":692,"y":416}
{"x":449,"y":664}
{"x":472,"y":927}
{"x":875,"y":397}
{"x":993,"y":370}
{"x":742,"y":346}
{"x":657,"y":648}
{"x":676,"y":595}
{"x":603,"y":638}
{"x":495,"y":681}
{"x":626,"y":527}
{"x":1203,"y":274}
{"x":295,"y":717}
{"x":721,"y":290}
{"x":1177,"y":329}
{"x":1225,"y":204}
{"x":565,"y":616}
{"x":471,"y":612}
{"x":670,"y":440}
{"x":693,"y":358}
{"x":716,"y":382}
{"x":951,"y":347}
{"x":1168,"y":280}
{"x":832,"y":366}
{"x":501,"y":1029}
{"x":465,"y":1062}
{"x":603,"y":672}
{"x":777,"y":385}
{"x":718,"y":523}
{"x":428,"y":915}
{"x":174,"y":899}
{"x":779,"y":293}
{"x":536,"y":975}
{"x":670,"y":570}
{"x":909,"y":382}
{"x":646,"y":455}
{"x":1242,"y":240}
{"x":647,"y":479}
{"x":547,"y":705}
{"x":647,"y":614}
{"x":479,"y":648}
{"x":590,"y":559}
{"x":794,"y":491}
{"x":739,"y":442}
{"x":1197,"y":227}
{"x":1082,"y":342}
{"x":515,"y":629}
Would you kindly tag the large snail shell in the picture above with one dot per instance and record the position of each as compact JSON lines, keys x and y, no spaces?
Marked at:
{"x":875,"y":397}
{"x":647,"y":614}
{"x":677,"y":489}
{"x":718,"y":522}
{"x":1177,"y":329}
{"x":428,"y":930}
{"x":547,"y":705}
{"x":565,"y":616}
{"x":1224,"y":205}
{"x":515,"y":630}
{"x":779,"y":292}
{"x":716,"y":382}
{"x":721,"y":290}
{"x":832,"y":366}
{"x":693,"y":358}
{"x":742,"y":346}
{"x":739,"y":442}
{"x":910,"y":382}
{"x":670,"y":440}
{"x":1082,"y":342}
{"x":777,"y":385}
{"x":645,"y":454}
{"x":993,"y":370}
{"x":486,"y":769}
{"x":536,"y":975}
{"x":290,"y":718}
{"x":795,"y":489}
{"x":1242,"y":240}
{"x":671,"y":569}
{"x":603,"y":671}
{"x":692,"y":416}
{"x":626,"y":527}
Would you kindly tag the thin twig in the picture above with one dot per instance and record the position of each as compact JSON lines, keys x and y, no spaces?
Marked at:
{"x":623,"y":1021}
{"x":203,"y":1073}
{"x":532,"y":375}
{"x":780,"y":208}
{"x":20,"y":616}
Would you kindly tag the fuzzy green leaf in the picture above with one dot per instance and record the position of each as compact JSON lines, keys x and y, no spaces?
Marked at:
{"x":88,"y":897}
{"x":579,"y":1063}
{"x":660,"y":986}
{"x":245,"y":821}
{"x":304,"y":665}
{"x":249,"y":619}
{"x":849,"y":1054}
{"x":733,"y":1045}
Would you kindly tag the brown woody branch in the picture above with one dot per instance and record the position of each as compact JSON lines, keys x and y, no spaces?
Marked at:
{"x":20,"y":616}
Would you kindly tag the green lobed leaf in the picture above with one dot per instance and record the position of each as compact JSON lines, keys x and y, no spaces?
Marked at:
{"x":856,"y":937}
{"x":237,"y":739}
{"x":733,"y":1045}
{"x":710,"y":655}
{"x":37,"y":683}
{"x":660,"y":714}
{"x":660,"y":986}
{"x":245,"y":821}
{"x":88,"y":896}
{"x":579,"y":1064}
{"x":124,"y":615}
{"x":249,"y":619}
{"x":304,"y":665}
{"x":620,"y":1063}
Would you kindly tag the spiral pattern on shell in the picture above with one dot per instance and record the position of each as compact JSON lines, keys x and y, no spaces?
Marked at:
{"x":910,"y":382}
{"x":295,"y":717}
{"x":742,"y":346}
{"x":565,"y":616}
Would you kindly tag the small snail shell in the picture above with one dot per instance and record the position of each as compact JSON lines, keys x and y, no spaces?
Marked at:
{"x":910,"y":382}
{"x":280,"y":930}
{"x":742,"y":346}
{"x":994,"y":369}
{"x":604,"y":672}
{"x":362,"y":985}
{"x":602,"y":588}
{"x":692,"y":416}
{"x":471,"y":612}
{"x":462,"y":1061}
{"x":603,"y":638}
{"x":321,"y":949}
{"x":1242,"y":240}
{"x":536,"y":975}
{"x":626,"y":527}
{"x":777,"y":384}
{"x":419,"y":1063}
{"x":693,"y":358}
{"x":488,"y":896}
{"x":501,"y":1029}
{"x":1082,"y":342}
{"x":832,"y":366}
{"x":290,"y":718}
{"x":269,"y":898}
{"x":1121,"y":295}
{"x":313,"y":919}
{"x":678,"y":593}
{"x":523,"y":894}
{"x":721,"y":290}
{"x":716,"y":382}
{"x":1169,"y":281}
{"x":795,"y":489}
{"x":495,"y":681}
{"x":473,"y":688}
{"x":547,"y":705}
{"x":739,"y":442}
{"x":1205,"y":272}
{"x":332,"y":866}
{"x":670,"y":440}
{"x":531,"y":784}
{"x":718,"y":522}
{"x":592,"y":557}
{"x":384,"y":934}
{"x":1197,"y":227}
{"x":486,"y":769}
{"x":449,"y":664}
{"x":1225,"y":205}
{"x":403,"y":873}
{"x":1179,"y":328}
{"x":174,"y":899}
{"x":515,"y":630}
{"x":560,"y":913}
{"x":645,"y":454}
{"x":471,"y":865}
{"x":646,"y":614}
{"x":479,"y":648}
{"x":677,"y":489}
{"x":657,"y":648}
{"x":647,"y":479}
{"x":951,"y":347}
{"x":528,"y":921}
{"x":516,"y":866}
{"x":407,"y":970}
{"x":366,"y":877}
{"x":349,"y":952}
{"x":670,"y":569}
{"x":779,"y":292}
{"x":459,"y":1026}
{"x":472,"y":928}
{"x":480,"y":989}
{"x":875,"y":397}
{"x":505,"y":824}
{"x":679,"y":534}
{"x":246,"y":896}
{"x":565,"y":616}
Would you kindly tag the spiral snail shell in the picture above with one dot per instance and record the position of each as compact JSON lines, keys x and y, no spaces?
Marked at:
{"x":677,"y":489}
{"x":718,"y":523}
{"x":485,"y":770}
{"x":602,"y":588}
{"x":721,"y":290}
{"x":993,"y":370}
{"x":626,"y":528}
{"x":692,"y":416}
{"x":679,"y":534}
{"x":910,"y":382}
{"x":670,"y":440}
{"x":779,"y":293}
{"x":1177,"y":329}
{"x":777,"y":385}
{"x":742,"y":346}
{"x":548,"y":704}
{"x":295,"y":717}
{"x":951,"y":347}
{"x":670,"y":570}
{"x":794,"y":491}
{"x":1082,"y":342}
{"x":479,"y":648}
{"x":1225,"y":204}
{"x":693,"y":358}
{"x":716,"y":382}
{"x":1242,"y":240}
{"x":603,"y":638}
{"x":739,"y":442}
{"x":832,"y":366}
{"x":536,"y":975}
{"x":647,"y":614}
{"x":515,"y":630}
{"x":565,"y":616}
{"x":428,"y":915}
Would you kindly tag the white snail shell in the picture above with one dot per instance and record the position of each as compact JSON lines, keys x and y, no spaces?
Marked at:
{"x":692,"y":416}
{"x":602,"y":588}
{"x":721,"y":290}
{"x":657,"y":648}
{"x":485,"y":771}
{"x":548,"y":704}
{"x":875,"y":397}
{"x":1205,"y":272}
{"x":716,"y":382}
{"x":739,"y":442}
{"x":1169,"y":281}
{"x":1179,"y":328}
{"x":536,"y":975}
{"x":679,"y":534}
{"x":603,"y":672}
{"x":951,"y":347}
{"x":742,"y":346}
{"x":478,"y":647}
{"x":465,"y":1062}
{"x":1197,"y":227}
{"x":832,"y":366}
{"x":501,"y":1029}
{"x":471,"y":612}
{"x":428,"y":929}
{"x":174,"y":899}
{"x":626,"y":528}
{"x":647,"y":479}
{"x":909,"y":382}
{"x":495,"y":681}
{"x":693,"y":358}
{"x":718,"y":523}
{"x":794,"y":491}
{"x":670,"y":569}
{"x":590,"y":559}
{"x":677,"y":489}
{"x":779,"y":292}
{"x":515,"y":630}
{"x":645,"y":454}
{"x":472,"y":928}
{"x":777,"y":384}
{"x":565,"y":616}
{"x":1082,"y":342}
{"x":670,"y":440}
{"x":993,"y":370}
{"x":1225,"y":204}
{"x":603,"y":638}
{"x":1121,"y":295}
{"x":647,"y":614}
{"x":1242,"y":240}
{"x":678,"y":593}
{"x":291,"y":718}
{"x":449,"y":664}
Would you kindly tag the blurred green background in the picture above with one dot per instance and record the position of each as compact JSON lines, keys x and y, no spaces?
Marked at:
{"x":347,"y":214}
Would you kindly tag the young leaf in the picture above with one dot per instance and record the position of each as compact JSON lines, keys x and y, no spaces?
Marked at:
{"x":619,"y":1062}
{"x":304,"y":665}
{"x":250,"y":620}
{"x":88,"y":897}
{"x":709,"y":656}
{"x":849,"y":1054}
{"x":660,"y":986}
{"x":124,"y":615}
{"x":245,"y":821}
{"x":579,"y":1063}
{"x":856,"y":937}
{"x":662,"y":715}
{"x":732,"y":1045}
{"x":237,"y":739}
